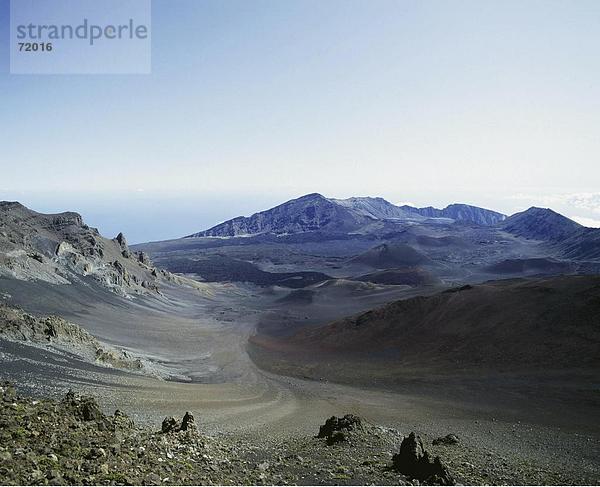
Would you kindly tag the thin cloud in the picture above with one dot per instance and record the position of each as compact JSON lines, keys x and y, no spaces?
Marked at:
{"x":583,"y":201}
{"x":586,"y":201}
{"x":586,"y":222}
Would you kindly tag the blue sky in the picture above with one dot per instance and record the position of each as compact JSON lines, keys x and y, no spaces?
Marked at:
{"x":253,"y":102}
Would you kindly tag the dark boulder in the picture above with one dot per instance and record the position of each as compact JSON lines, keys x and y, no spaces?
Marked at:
{"x":411,"y":453}
{"x":84,"y":408}
{"x":172,"y":425}
{"x":337,"y":437}
{"x":121,"y":240}
{"x":36,"y":256}
{"x":121,"y":420}
{"x":65,"y":220}
{"x":143,"y":258}
{"x":188,"y":423}
{"x":150,"y":286}
{"x":446,"y":440}
{"x":8,"y":391}
{"x":122,"y":276}
{"x":50,"y":330}
{"x":89,"y":410}
{"x":169,"y":425}
{"x":414,"y":462}
{"x":336,"y":430}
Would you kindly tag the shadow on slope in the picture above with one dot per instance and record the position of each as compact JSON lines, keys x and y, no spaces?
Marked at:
{"x":221,"y":268}
{"x":408,"y":276}
{"x":533,"y":266}
{"x":511,"y":325}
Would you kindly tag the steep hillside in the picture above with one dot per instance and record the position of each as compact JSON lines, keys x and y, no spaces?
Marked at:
{"x":584,"y":244}
{"x":529,"y":324}
{"x":54,"y":332}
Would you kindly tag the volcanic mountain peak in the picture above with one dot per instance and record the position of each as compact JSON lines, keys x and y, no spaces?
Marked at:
{"x":308,"y":213}
{"x":314,"y":212}
{"x":541,"y":224}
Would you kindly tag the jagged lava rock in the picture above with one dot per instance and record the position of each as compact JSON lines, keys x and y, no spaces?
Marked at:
{"x":414,"y":461}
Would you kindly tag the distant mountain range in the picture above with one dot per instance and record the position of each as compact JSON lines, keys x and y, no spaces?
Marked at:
{"x":303,"y":242}
{"x":315,"y":217}
{"x":314,"y":212}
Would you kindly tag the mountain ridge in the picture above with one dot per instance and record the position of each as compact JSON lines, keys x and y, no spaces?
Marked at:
{"x":313,"y":212}
{"x":460,"y":212}
{"x":59,"y":248}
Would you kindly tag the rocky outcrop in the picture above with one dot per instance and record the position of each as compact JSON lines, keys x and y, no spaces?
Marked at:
{"x":188,"y":423}
{"x":66,"y":220}
{"x":143,"y":258}
{"x":84,"y":408}
{"x":122,"y":242}
{"x":337,"y":430}
{"x":16,"y":325}
{"x":62,"y":249}
{"x":415,"y":462}
{"x":169,"y":425}
{"x":173,"y":425}
{"x":449,"y":439}
{"x":74,"y":441}
{"x":121,"y":274}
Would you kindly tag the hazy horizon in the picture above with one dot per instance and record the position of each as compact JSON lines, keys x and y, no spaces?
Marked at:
{"x":145,"y":217}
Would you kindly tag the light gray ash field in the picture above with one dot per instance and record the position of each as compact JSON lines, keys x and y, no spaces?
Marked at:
{"x":459,"y":321}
